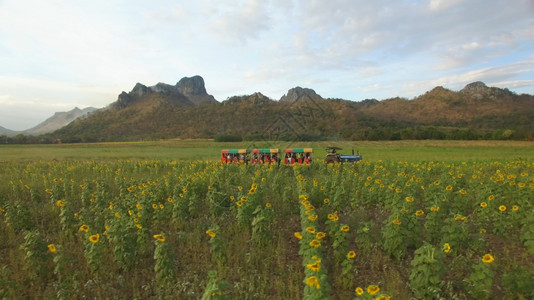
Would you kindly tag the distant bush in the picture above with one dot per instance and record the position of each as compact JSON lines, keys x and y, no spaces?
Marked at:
{"x":228,"y":138}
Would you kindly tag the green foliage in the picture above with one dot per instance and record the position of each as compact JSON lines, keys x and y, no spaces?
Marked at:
{"x":427,"y":271}
{"x":519,"y":283}
{"x":93,"y":229}
{"x":480,"y":281}
{"x":215,"y":289}
{"x":165,"y":263}
{"x":263,"y":218}
{"x":218,"y":253}
{"x":527,"y":233}
{"x":396,"y":238}
{"x":36,"y":258}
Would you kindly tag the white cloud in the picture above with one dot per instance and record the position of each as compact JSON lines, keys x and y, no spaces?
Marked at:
{"x":439,"y":5}
{"x":242,"y":21}
{"x":513,"y":84}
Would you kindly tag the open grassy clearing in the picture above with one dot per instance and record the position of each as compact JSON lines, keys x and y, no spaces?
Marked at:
{"x":209,"y":150}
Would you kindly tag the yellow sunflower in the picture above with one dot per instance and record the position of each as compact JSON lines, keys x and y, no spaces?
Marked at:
{"x":313,"y":281}
{"x":373,"y":290}
{"x":488,"y":258}
{"x":315,"y":243}
{"x":159,"y":237}
{"x":94,"y":238}
{"x":211,"y":233}
{"x":315,"y":267}
{"x":52,"y":248}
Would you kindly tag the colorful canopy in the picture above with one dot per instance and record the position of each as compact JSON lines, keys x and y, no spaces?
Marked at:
{"x":235,"y":151}
{"x":265,"y":150}
{"x":299,"y":150}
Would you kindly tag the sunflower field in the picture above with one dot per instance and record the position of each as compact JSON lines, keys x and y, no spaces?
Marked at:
{"x":130,"y":229}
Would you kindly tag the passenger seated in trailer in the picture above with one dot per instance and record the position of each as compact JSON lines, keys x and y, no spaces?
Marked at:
{"x":223,"y":158}
{"x":289,"y":159}
{"x":235,"y":159}
{"x":307,"y":159}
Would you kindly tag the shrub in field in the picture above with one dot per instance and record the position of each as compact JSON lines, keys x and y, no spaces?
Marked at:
{"x":395,"y":236}
{"x":527,"y":233}
{"x":215,"y":289}
{"x":480,"y":280}
{"x":37,"y":258}
{"x":165,"y":264}
{"x":427,"y":271}
{"x":519,"y":283}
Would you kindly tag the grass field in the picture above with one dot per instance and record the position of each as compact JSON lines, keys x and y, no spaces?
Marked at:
{"x":166,"y":220}
{"x":209,"y":150}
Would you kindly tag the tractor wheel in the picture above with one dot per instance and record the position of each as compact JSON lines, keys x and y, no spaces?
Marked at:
{"x":330,"y":160}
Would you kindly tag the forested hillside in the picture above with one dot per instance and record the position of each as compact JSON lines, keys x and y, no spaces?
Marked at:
{"x":166,"y":112}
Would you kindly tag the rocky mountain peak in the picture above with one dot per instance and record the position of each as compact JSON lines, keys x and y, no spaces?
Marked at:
{"x":479,"y":91}
{"x":259,"y":98}
{"x":193,"y":88}
{"x":298,"y":93}
{"x":188,"y":91}
{"x":139,"y":90}
{"x":163,"y":88}
{"x":475,"y":87}
{"x":123,"y":100}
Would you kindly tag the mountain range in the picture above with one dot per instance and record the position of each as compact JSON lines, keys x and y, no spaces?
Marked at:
{"x":186,"y":110}
{"x":58,"y":120}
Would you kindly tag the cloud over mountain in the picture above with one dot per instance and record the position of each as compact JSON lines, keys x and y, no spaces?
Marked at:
{"x":348,"y":49}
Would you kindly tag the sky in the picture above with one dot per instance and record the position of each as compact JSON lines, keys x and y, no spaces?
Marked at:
{"x":59,"y":54}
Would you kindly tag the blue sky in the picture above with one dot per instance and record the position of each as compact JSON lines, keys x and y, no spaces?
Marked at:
{"x":59,"y":54}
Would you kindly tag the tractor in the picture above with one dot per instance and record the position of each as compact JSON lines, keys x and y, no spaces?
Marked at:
{"x":332,"y":156}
